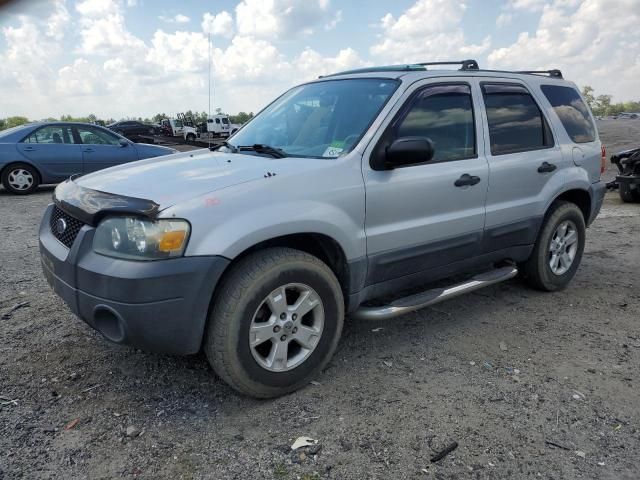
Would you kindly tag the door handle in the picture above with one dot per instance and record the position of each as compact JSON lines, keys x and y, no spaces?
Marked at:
{"x":546,"y":167}
{"x":466,"y":179}
{"x":29,"y":149}
{"x":88,"y":150}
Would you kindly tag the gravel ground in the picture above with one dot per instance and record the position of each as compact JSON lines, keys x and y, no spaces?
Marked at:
{"x":528,"y":384}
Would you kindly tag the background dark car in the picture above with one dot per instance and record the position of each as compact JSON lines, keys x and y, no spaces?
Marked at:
{"x":52,"y":152}
{"x":132,"y":128}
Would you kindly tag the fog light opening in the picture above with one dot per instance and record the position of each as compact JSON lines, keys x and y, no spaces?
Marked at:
{"x":109,"y":324}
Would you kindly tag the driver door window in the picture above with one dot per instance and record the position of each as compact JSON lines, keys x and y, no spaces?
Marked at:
{"x":444,"y":114}
{"x":95,"y":136}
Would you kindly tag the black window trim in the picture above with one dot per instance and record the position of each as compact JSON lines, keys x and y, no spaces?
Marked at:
{"x":535,"y":101}
{"x":402,"y":113}
{"x":595,"y":130}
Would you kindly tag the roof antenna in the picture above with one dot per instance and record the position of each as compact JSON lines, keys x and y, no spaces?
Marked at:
{"x":209,"y":112}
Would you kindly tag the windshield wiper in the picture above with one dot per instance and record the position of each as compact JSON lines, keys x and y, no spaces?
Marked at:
{"x":261,"y":148}
{"x":233,"y":148}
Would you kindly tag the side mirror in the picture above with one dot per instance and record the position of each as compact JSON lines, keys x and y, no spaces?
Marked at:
{"x":123,"y":142}
{"x":409,"y":151}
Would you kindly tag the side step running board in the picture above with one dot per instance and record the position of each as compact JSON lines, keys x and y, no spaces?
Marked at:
{"x":436,"y":295}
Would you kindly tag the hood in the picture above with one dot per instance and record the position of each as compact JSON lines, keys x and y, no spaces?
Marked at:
{"x":176,"y":178}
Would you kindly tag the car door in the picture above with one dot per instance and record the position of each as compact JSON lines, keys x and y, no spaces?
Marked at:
{"x":526,"y":166}
{"x":52,"y":150}
{"x":431,"y":214}
{"x":102,"y":149}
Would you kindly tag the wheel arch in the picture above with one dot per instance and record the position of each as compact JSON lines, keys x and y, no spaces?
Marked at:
{"x":578,"y":196}
{"x":319,"y":245}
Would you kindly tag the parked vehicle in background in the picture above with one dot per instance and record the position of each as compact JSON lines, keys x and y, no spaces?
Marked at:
{"x":172,"y":127}
{"x":335,"y":199}
{"x":41,"y":153}
{"x":628,"y":180}
{"x":216,"y":126}
{"x":132,"y":128}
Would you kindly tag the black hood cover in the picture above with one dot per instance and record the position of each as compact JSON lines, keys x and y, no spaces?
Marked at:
{"x":90,"y":206}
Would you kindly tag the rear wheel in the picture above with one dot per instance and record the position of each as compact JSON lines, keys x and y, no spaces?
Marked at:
{"x":276,"y":322}
{"x":20,"y":178}
{"x":558,"y":249}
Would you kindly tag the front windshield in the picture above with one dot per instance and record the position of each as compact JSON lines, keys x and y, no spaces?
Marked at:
{"x":318,"y":120}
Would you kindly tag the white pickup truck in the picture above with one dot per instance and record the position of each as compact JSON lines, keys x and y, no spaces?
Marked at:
{"x":217,"y":126}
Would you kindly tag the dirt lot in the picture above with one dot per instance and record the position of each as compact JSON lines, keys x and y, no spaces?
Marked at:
{"x":559,"y":399}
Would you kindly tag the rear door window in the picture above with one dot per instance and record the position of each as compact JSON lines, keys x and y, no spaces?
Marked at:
{"x":572,"y":111}
{"x":444,"y":114}
{"x":516,"y":123}
{"x":50,"y":134}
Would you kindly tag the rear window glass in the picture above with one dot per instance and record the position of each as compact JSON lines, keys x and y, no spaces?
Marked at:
{"x":572,"y":111}
{"x":516,"y":124}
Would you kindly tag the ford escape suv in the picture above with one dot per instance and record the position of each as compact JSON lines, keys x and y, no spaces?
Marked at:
{"x":345,"y":190}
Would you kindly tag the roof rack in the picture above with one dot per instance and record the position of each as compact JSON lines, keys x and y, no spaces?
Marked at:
{"x":555,"y":73}
{"x":465,"y":65}
{"x":410,"y":67}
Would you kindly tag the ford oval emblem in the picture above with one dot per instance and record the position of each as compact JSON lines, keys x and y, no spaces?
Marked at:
{"x":61,"y":226}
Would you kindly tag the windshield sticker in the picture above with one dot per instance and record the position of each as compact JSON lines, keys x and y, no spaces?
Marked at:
{"x":334,"y":150}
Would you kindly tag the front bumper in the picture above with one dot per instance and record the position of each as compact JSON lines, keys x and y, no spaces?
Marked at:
{"x":596,"y":192}
{"x":158,"y":306}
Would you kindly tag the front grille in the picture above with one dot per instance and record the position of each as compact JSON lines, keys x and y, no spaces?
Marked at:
{"x":67,"y":235}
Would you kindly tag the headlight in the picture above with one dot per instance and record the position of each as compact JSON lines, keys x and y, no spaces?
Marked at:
{"x":141,"y":239}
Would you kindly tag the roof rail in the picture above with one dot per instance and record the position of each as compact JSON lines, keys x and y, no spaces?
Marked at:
{"x":555,"y":73}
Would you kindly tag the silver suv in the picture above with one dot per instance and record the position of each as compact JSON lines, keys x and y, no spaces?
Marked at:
{"x":357,"y":186}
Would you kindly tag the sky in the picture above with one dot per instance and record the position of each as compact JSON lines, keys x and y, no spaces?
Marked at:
{"x":130,"y":58}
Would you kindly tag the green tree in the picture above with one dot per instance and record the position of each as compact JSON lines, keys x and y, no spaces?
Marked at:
{"x":603,"y":105}
{"x":11,"y":122}
{"x":587,"y":93}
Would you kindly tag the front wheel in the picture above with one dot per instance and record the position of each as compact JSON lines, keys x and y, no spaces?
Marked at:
{"x":558,"y":249}
{"x":276,"y":322}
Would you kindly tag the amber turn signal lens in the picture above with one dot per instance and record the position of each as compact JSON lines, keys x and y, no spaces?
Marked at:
{"x":172,"y":241}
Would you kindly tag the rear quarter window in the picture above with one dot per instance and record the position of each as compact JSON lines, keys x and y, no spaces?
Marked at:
{"x":572,"y":111}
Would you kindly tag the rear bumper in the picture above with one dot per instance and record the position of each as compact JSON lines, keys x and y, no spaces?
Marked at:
{"x":596,"y":192}
{"x":158,"y":306}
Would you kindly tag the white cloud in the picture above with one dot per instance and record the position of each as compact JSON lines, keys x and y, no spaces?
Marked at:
{"x":58,"y":20}
{"x":282,"y":18}
{"x":179,"y":18}
{"x":103,"y":30}
{"x":592,"y":43}
{"x":428,"y":30}
{"x":220,"y":24}
{"x":79,"y":79}
{"x":335,"y":21}
{"x":97,"y":8}
{"x":504,"y":19}
{"x":311,"y":64}
{"x":178,"y":52}
{"x":528,"y":5}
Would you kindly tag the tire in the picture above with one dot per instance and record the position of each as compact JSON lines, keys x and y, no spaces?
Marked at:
{"x":191,"y":138}
{"x":20,"y":178}
{"x":628,"y":195}
{"x":240,"y":307}
{"x":537,"y":270}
